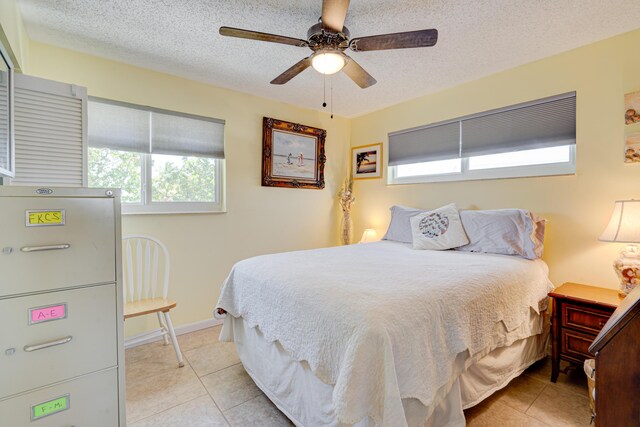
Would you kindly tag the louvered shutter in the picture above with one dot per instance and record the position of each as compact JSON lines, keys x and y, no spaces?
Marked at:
{"x":50,"y":133}
{"x":4,"y":128}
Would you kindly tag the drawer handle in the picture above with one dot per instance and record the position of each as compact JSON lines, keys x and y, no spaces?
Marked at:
{"x":45,"y":248}
{"x":47,"y":344}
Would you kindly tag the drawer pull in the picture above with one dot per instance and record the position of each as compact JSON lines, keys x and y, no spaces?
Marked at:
{"x":45,"y":248}
{"x":47,"y":344}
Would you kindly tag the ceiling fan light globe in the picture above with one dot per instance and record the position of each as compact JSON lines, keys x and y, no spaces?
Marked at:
{"x":328,"y":61}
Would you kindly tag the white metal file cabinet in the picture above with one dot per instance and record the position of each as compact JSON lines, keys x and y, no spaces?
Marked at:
{"x":61,"y":318}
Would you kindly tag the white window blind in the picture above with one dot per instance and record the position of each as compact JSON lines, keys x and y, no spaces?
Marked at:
{"x":544,"y":123}
{"x":50,"y":132}
{"x":127,"y":127}
{"x":541,"y":125}
{"x":118,"y":127}
{"x":424,"y":144}
{"x":181,"y":135}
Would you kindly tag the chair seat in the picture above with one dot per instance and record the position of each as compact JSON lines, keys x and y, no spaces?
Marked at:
{"x":147,"y":306}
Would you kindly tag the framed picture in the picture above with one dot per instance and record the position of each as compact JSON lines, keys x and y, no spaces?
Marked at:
{"x":292,"y":155}
{"x":632,"y":148}
{"x":366,"y":161}
{"x":632,"y":108}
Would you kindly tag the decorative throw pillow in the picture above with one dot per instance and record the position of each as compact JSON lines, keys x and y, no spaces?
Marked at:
{"x":438,"y":229}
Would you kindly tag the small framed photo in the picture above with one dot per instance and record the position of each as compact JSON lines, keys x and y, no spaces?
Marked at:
{"x":632,"y":108}
{"x":366,"y":161}
{"x":292,"y":155}
{"x":632,"y":148}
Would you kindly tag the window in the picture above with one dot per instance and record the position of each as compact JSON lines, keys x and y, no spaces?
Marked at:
{"x":163,"y":161}
{"x":532,"y":139}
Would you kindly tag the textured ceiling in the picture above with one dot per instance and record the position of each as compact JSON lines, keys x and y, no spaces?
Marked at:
{"x":181,"y":37}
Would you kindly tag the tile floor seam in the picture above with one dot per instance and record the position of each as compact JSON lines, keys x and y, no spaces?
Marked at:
{"x":217,"y":370}
{"x":248,"y":400}
{"x":174,"y":406}
{"x":231,"y":407}
{"x":178,"y":404}
{"x":534,"y":400}
{"x":214,"y":400}
{"x":156,"y":374}
{"x":569,"y":390}
{"x":165,"y":410}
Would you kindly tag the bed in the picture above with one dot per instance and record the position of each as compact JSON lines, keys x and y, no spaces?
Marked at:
{"x":380,"y":334}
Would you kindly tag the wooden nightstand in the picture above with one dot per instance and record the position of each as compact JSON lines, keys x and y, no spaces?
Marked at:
{"x":579,"y":312}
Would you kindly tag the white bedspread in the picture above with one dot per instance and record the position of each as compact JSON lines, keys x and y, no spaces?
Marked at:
{"x":382,"y":321}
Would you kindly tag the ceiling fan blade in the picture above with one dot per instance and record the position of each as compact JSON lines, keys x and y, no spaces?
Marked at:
{"x":420,"y":38}
{"x":296,"y":69}
{"x":358,"y":74}
{"x":334,"y":13}
{"x":265,"y":37}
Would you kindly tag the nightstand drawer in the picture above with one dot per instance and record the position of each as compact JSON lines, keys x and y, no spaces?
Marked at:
{"x":584,"y":318}
{"x":575,"y":345}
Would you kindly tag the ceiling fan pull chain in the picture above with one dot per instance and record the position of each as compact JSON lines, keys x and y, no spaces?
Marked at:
{"x":324,"y":91}
{"x":331,"y":98}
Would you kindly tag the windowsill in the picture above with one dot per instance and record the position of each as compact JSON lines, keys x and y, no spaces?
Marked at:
{"x":174,"y":208}
{"x":479,"y":175}
{"x":172,"y":213}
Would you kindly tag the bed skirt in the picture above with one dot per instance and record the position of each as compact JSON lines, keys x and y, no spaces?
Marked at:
{"x":307,"y":401}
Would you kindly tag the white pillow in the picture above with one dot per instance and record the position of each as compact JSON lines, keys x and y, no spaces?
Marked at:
{"x":399,"y":227}
{"x":504,"y":231}
{"x":438,"y":229}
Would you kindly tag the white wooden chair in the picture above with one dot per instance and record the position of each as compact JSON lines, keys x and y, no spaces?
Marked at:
{"x":145,"y":266}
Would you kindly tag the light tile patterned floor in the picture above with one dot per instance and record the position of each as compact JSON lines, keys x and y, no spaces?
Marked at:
{"x":214,"y":390}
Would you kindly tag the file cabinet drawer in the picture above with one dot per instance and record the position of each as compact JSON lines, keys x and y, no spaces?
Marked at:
{"x":56,"y":336}
{"x":51,"y":243}
{"x":91,"y":400}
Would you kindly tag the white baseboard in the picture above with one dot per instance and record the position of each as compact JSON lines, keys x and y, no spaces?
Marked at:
{"x":136,"y":340}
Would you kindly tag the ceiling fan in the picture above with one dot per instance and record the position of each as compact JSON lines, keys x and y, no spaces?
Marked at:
{"x":329,"y":38}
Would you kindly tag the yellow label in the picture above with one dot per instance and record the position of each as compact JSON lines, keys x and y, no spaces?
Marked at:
{"x":50,"y":407}
{"x":46,"y":217}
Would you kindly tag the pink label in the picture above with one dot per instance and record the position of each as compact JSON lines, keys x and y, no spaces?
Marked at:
{"x":52,"y":312}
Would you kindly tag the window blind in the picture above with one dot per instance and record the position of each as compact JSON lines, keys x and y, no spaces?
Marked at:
{"x":548,"y":122}
{"x":180,"y":135}
{"x":118,"y":127}
{"x":540,"y":125}
{"x":424,"y":144}
{"x":129,"y":127}
{"x":50,"y":132}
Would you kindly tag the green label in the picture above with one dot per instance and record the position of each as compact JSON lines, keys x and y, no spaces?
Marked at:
{"x":50,"y":407}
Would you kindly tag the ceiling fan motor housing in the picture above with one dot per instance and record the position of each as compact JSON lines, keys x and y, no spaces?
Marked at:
{"x":321,"y":38}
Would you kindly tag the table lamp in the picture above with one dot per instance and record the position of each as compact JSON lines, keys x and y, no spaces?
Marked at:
{"x":624,"y":227}
{"x":369,"y":235}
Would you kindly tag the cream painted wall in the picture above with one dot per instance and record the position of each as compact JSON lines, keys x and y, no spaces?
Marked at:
{"x":13,"y":32}
{"x":259,"y":220}
{"x":577,"y":207}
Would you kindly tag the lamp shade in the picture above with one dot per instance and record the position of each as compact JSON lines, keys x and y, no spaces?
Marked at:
{"x":369,"y":235}
{"x":624,"y":225}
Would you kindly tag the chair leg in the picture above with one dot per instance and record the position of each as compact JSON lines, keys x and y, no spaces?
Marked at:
{"x":174,"y":340}
{"x":163,"y":328}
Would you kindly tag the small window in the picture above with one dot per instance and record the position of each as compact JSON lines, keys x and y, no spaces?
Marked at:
{"x":532,"y":139}
{"x":538,"y":162}
{"x":164,"y":162}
